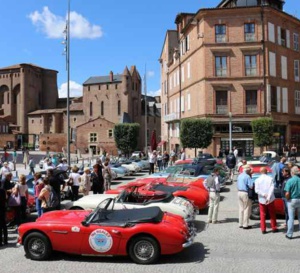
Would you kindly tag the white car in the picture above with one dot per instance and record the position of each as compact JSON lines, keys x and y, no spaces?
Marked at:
{"x":176,"y":205}
{"x":265,"y":158}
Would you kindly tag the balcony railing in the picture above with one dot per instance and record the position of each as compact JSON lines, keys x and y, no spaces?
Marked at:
{"x":171,"y":117}
{"x":251,"y":109}
{"x":222,"y":109}
{"x":250,"y":37}
{"x":221,"y":38}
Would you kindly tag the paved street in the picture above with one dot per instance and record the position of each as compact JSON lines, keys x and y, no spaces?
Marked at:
{"x":218,"y":248}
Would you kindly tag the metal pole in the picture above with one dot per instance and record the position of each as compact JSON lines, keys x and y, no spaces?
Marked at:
{"x":68,"y":85}
{"x":230,"y":132}
{"x":145,"y":92}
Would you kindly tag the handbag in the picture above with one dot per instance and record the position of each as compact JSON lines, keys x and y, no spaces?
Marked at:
{"x":14,"y":200}
{"x":70,"y":181}
{"x":252,"y":194}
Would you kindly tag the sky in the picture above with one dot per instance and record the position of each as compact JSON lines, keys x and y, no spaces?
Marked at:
{"x":105,"y":36}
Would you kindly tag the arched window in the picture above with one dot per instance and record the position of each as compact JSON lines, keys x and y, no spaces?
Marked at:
{"x":91,"y":109}
{"x":102,"y":108}
{"x":119,"y":108}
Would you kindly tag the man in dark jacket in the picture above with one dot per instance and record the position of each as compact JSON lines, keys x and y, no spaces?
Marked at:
{"x":230,"y":163}
{"x":56,"y":183}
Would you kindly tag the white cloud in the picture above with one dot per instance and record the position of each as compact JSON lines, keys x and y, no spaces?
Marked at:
{"x":154,"y":93}
{"x":75,"y":90}
{"x":150,"y":73}
{"x":53,"y":25}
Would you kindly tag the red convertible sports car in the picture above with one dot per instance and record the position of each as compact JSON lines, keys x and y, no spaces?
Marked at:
{"x":155,"y":190}
{"x":143,"y":234}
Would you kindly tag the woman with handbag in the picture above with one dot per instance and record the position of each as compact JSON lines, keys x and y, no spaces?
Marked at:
{"x":38,"y":186}
{"x":74,"y":181}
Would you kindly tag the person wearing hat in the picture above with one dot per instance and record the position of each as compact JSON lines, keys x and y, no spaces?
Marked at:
{"x":4,"y":170}
{"x":244,"y":182}
{"x":85,"y":184}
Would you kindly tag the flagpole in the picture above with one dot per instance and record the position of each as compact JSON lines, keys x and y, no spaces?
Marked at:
{"x":145,"y":92}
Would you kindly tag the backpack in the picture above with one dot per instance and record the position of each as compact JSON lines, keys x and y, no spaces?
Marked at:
{"x":53,"y":200}
{"x":210,"y":181}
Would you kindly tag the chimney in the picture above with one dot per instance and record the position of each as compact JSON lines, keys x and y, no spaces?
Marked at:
{"x":111,"y":76}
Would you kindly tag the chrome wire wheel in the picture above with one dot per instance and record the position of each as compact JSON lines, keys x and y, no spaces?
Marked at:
{"x":36,"y":247}
{"x":144,"y":250}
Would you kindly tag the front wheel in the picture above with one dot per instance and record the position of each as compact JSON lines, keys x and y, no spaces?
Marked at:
{"x":37,"y":246}
{"x":255,"y":213}
{"x":144,"y":250}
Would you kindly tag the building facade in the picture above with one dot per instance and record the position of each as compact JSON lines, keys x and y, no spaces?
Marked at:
{"x":233,"y":63}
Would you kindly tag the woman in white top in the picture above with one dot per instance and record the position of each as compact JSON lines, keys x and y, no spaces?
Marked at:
{"x":74,"y":181}
{"x":85,"y":185}
{"x":23,"y":191}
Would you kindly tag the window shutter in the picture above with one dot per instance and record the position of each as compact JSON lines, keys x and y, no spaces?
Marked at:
{"x":288,"y":40}
{"x":182,"y":74}
{"x":284,"y":100}
{"x":189,"y":101}
{"x":188,"y":42}
{"x":279,"y":35}
{"x":182,"y":103}
{"x":271,"y":32}
{"x":268,"y":98}
{"x":272,"y":64}
{"x":296,"y":70}
{"x":278,"y":99}
{"x":188,"y":70}
{"x":284,"y":67}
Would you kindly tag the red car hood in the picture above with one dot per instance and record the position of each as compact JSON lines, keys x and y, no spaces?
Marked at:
{"x":64,"y":216}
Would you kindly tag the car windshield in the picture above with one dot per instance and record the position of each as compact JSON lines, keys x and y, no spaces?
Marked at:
{"x":100,"y":212}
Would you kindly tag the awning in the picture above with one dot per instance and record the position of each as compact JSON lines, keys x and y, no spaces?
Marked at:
{"x":161,"y":143}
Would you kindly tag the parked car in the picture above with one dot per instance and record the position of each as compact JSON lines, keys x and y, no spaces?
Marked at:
{"x":266,"y":157}
{"x":130,"y":198}
{"x":143,"y":234}
{"x":199,"y":197}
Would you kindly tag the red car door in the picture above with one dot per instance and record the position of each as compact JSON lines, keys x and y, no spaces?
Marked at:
{"x":100,"y":240}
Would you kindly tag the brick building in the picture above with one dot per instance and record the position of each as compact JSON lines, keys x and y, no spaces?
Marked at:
{"x":34,"y":116}
{"x":241,"y":59}
{"x":23,"y":89}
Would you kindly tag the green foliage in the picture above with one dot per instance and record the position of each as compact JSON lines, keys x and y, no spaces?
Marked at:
{"x":126,"y":136}
{"x":263,"y":130}
{"x":196,"y":133}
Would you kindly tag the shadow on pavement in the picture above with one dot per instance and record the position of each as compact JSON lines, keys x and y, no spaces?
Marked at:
{"x":195,"y":253}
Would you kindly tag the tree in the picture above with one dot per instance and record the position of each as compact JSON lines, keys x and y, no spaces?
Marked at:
{"x":196,"y":133}
{"x":126,"y":136}
{"x":263,"y":130}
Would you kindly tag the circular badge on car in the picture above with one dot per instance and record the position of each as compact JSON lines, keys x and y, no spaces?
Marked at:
{"x":100,"y":240}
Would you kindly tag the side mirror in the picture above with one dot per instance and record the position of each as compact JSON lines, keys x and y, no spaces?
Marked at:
{"x":84,"y":223}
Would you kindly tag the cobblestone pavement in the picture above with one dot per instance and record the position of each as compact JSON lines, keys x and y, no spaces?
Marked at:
{"x":219,"y":247}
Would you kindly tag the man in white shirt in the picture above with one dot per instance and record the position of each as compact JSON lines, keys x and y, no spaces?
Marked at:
{"x":264,"y":187}
{"x":214,"y":196}
{"x":4,"y":170}
{"x":235,"y":152}
{"x":182,"y":156}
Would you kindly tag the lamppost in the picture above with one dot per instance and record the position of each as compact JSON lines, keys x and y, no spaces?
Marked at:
{"x":230,"y":131}
{"x":66,"y":42}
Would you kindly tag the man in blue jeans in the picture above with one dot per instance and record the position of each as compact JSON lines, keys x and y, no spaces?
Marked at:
{"x":292,"y":194}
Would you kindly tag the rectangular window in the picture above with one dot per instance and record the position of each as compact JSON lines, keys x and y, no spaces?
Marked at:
{"x":221,"y":66}
{"x":170,"y":82}
{"x":296,"y":70}
{"x":273,"y":99}
{"x":282,"y":36}
{"x":174,"y":78}
{"x":189,"y":102}
{"x":296,"y":41}
{"x":182,"y":103}
{"x":93,"y":137}
{"x":182,"y":74}
{"x":99,"y":87}
{"x":171,"y":129}
{"x":188,"y":70}
{"x":110,"y":133}
{"x":119,"y":108}
{"x":249,"y":30}
{"x":251,"y":101}
{"x":220,"y":32}
{"x":177,"y":77}
{"x":250,"y":65}
{"x":221,"y":102}
{"x":297,"y":102}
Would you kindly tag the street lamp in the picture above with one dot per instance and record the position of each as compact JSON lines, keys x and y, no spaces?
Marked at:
{"x":230,"y":131}
{"x":66,"y":42}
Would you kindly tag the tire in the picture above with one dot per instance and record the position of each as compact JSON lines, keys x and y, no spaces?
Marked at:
{"x":37,"y":246}
{"x":255,"y":214}
{"x":144,"y":250}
